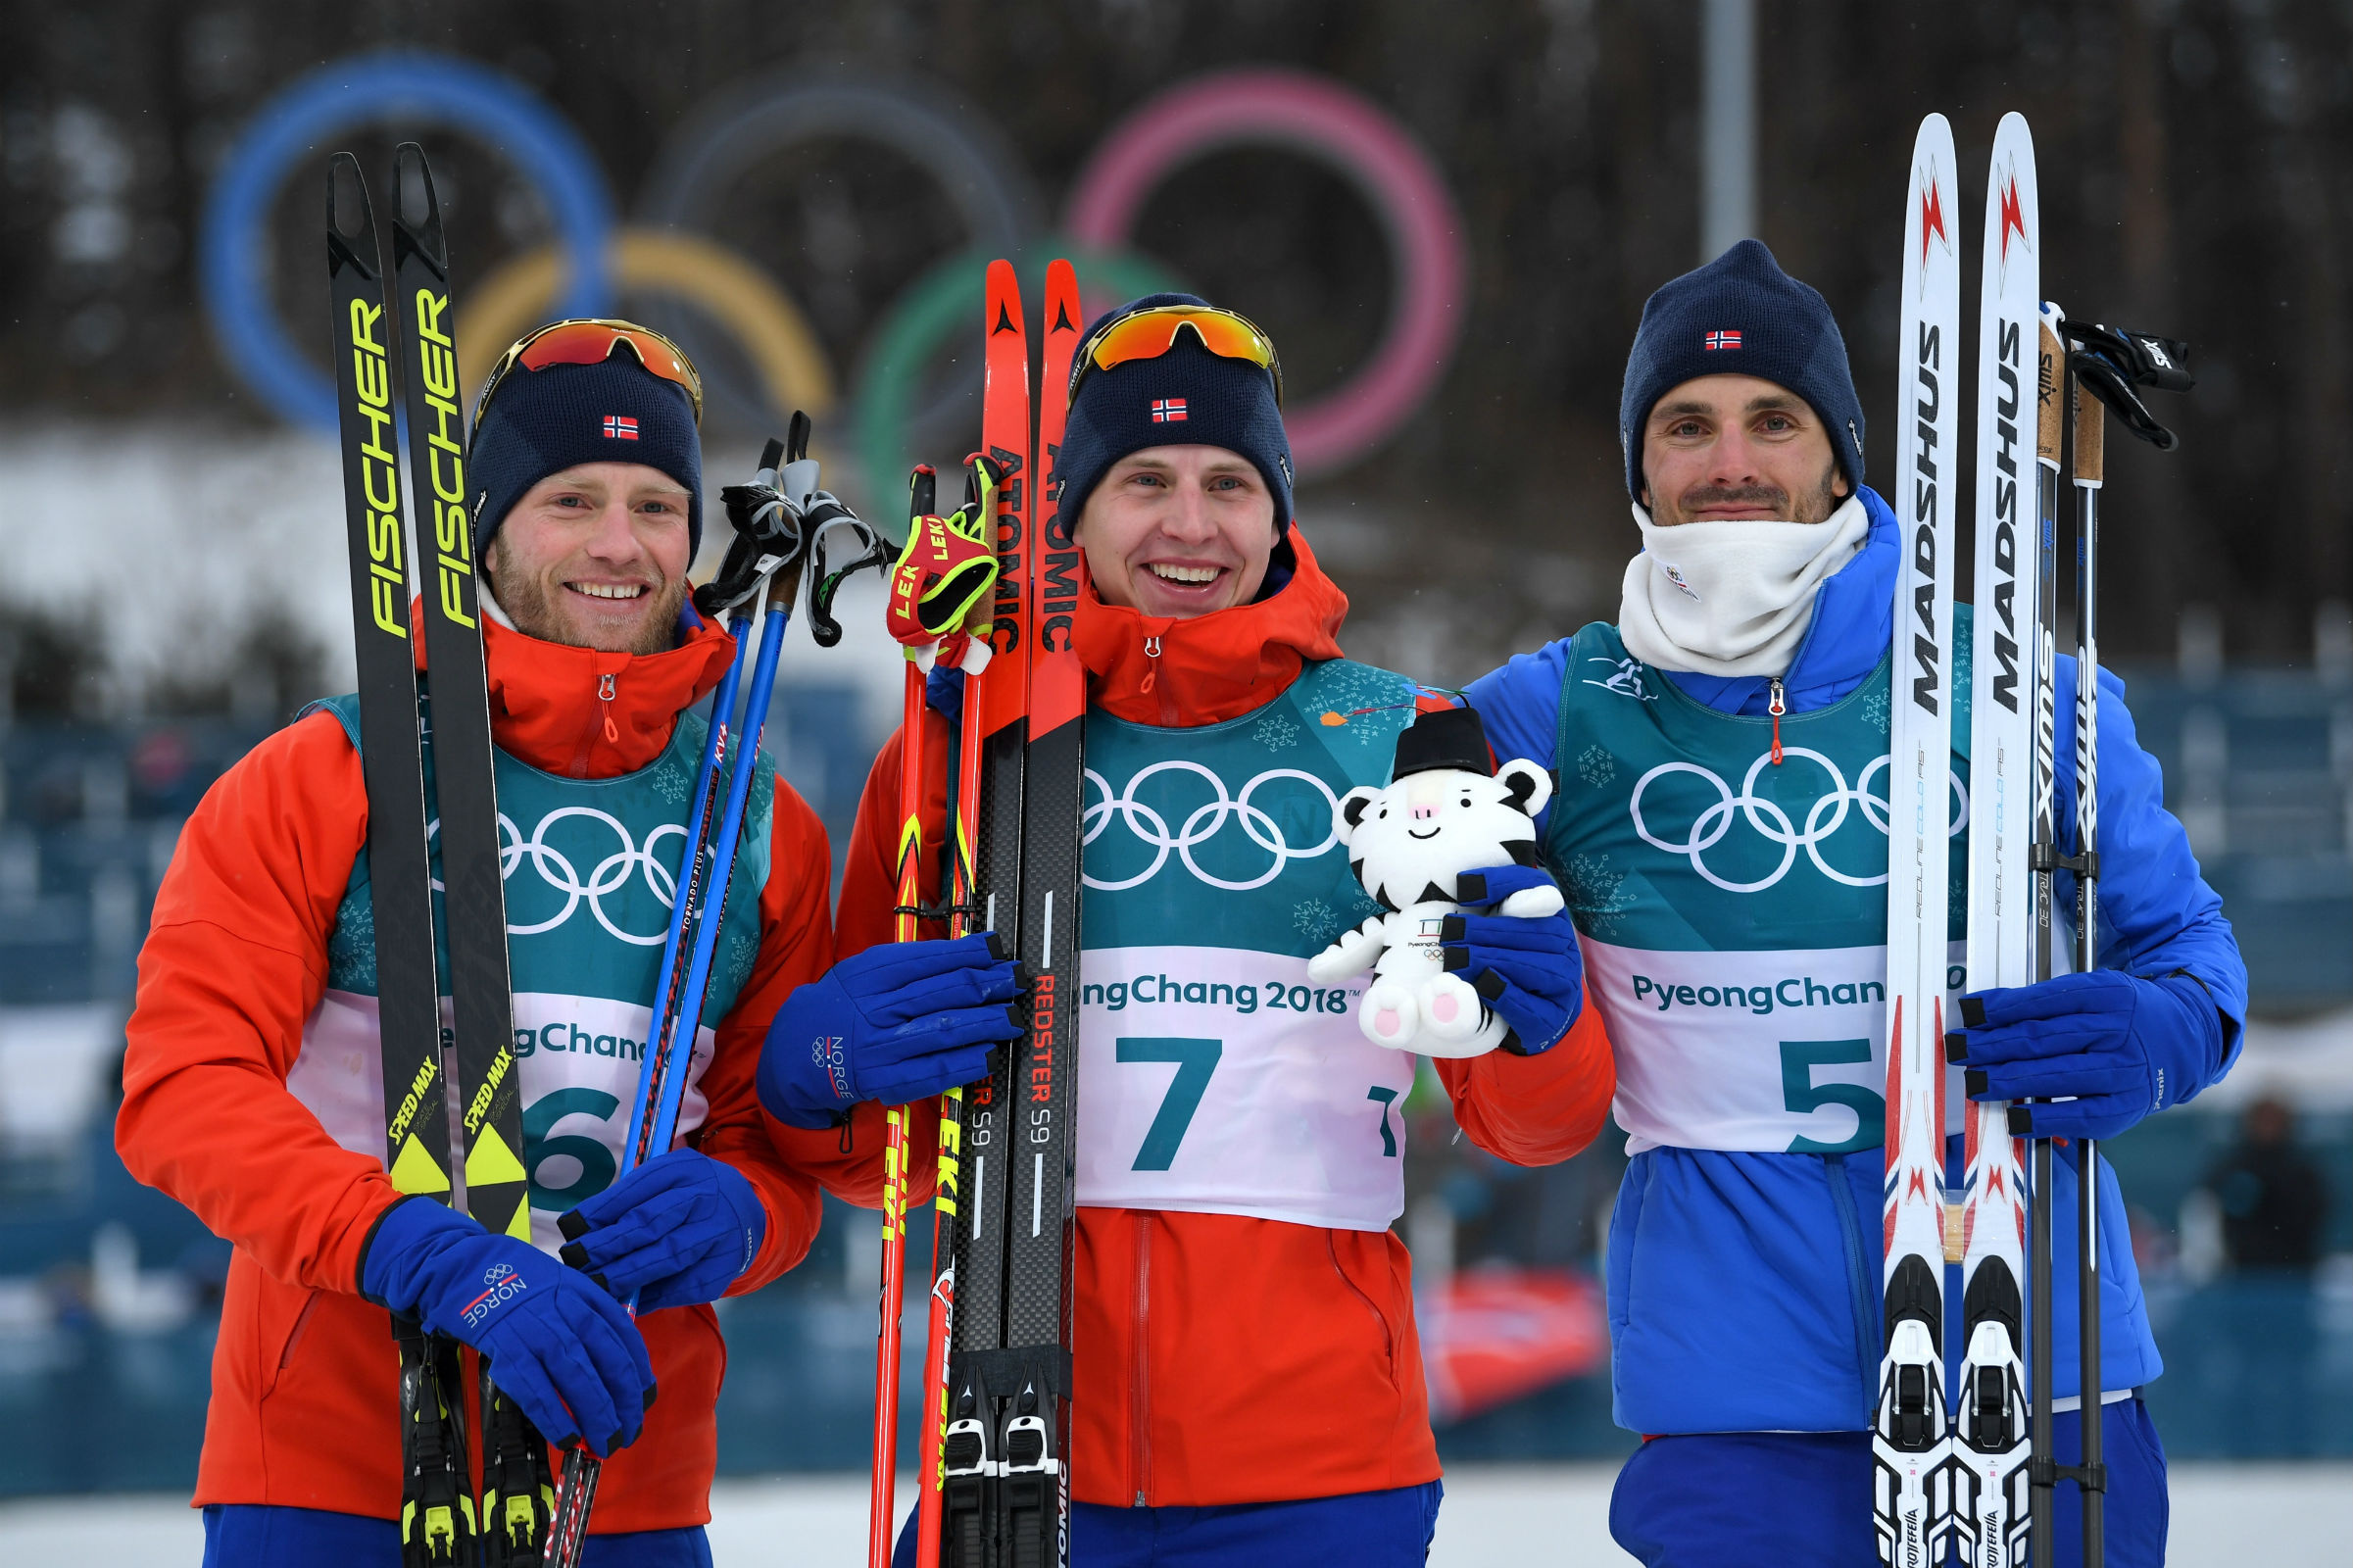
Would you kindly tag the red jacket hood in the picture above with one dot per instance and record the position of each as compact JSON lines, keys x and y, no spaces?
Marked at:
{"x":583,"y":714}
{"x":1211,"y":667}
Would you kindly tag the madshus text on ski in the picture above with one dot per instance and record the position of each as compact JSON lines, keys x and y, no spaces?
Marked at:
{"x":1792,"y":788}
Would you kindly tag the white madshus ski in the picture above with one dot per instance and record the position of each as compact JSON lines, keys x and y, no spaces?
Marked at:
{"x":1989,"y":1449}
{"x":1910,"y":1440}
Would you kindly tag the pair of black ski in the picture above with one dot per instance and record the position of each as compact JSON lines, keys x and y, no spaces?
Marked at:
{"x":994,"y":1458}
{"x":405,"y":341}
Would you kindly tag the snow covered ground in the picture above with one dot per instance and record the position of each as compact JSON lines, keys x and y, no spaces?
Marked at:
{"x":2281,"y":1515}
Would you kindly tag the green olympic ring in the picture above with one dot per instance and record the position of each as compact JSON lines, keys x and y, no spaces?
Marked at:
{"x":932,"y":310}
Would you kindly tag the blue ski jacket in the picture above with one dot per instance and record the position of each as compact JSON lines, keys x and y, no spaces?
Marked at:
{"x":1744,"y":1289}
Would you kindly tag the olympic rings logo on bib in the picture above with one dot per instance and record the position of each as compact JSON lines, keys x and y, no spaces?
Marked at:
{"x":1769,"y":822}
{"x":609,"y":876}
{"x":1201,"y":824}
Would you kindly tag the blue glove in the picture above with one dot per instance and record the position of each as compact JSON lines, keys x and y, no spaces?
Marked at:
{"x":558,"y":1345}
{"x":673,"y":1231}
{"x":944,"y":692}
{"x":2123,"y":1046}
{"x":898,"y":1022}
{"x":1529,"y":970}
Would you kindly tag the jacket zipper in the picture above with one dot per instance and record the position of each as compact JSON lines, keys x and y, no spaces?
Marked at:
{"x":1141,"y":1456}
{"x":1851,"y":1230}
{"x":606,"y":686}
{"x":1776,"y":705}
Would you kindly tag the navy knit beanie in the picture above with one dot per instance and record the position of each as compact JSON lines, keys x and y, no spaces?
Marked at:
{"x":1740,"y":314}
{"x":1187,"y":397}
{"x":545,"y":421}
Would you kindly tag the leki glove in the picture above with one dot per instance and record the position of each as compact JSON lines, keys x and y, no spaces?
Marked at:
{"x":942,"y":588}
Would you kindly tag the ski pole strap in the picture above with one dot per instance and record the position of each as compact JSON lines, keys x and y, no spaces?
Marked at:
{"x":2113,"y":364}
{"x":948,"y":570}
{"x":826,"y":514}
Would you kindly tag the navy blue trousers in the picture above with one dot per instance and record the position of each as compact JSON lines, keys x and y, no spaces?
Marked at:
{"x":240,"y":1535}
{"x":1361,"y":1529}
{"x":1802,"y":1499}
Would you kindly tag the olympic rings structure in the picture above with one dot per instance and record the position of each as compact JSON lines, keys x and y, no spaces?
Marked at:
{"x":1327,"y":122}
{"x":232,"y":256}
{"x":930,"y":313}
{"x":1151,"y":827}
{"x":1772,"y":822}
{"x":782,"y":346}
{"x":968,"y":158}
{"x":722,"y":141}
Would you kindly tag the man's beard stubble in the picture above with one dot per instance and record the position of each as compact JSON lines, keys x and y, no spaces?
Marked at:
{"x":529,"y":605}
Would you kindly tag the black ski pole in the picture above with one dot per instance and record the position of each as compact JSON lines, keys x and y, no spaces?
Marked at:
{"x":2110,"y":364}
{"x":2041,"y":860}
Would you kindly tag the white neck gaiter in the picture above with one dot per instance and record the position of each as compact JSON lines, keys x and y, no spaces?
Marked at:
{"x":1732,"y":598}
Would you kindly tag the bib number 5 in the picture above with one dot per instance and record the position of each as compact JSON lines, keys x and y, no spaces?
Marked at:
{"x":1800,"y":1095}
{"x":1196,"y":1061}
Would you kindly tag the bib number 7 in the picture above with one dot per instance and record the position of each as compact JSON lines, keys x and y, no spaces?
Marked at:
{"x":1196,"y":1061}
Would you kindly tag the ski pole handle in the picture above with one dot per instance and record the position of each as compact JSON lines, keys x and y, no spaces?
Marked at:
{"x":2091,"y":428}
{"x":2050,"y":391}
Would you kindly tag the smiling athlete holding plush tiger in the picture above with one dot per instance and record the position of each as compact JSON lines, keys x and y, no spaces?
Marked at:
{"x":1251,"y":1387}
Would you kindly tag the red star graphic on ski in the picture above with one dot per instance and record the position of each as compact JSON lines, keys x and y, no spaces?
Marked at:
{"x":1932,"y":216}
{"x":2013,"y":216}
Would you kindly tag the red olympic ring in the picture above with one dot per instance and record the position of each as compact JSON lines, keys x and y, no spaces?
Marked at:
{"x":1389,"y":168}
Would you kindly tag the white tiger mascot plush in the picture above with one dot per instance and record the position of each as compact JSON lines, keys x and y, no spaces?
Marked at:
{"x":1445,"y":811}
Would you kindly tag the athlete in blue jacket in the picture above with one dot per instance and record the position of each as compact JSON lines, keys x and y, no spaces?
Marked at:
{"x":1714,"y":748}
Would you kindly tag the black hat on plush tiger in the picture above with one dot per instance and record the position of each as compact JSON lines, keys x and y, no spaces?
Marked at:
{"x":1450,"y":738}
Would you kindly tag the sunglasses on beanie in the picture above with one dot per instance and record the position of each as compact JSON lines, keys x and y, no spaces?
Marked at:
{"x":1149,"y":332}
{"x":590,"y":340}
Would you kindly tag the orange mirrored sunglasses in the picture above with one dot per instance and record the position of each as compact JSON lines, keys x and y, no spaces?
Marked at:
{"x":590,"y":340}
{"x":1149,"y":333}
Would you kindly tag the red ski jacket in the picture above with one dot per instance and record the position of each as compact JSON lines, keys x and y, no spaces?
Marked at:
{"x":304,"y":1403}
{"x":1223,"y":1359}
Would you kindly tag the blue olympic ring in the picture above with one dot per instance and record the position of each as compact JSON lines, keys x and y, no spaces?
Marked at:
{"x":537,"y":140}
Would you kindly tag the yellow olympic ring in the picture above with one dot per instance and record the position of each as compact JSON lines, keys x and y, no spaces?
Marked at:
{"x":515,"y":298}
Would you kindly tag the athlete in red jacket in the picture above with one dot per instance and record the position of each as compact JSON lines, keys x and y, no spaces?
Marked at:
{"x":253,"y":1088}
{"x":1248,"y":1383}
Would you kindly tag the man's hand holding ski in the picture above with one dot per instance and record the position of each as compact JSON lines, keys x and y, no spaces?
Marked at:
{"x":896,"y":1024}
{"x":2110,"y":1047}
{"x":564,"y":1348}
{"x":1527,"y":967}
{"x":676,"y":1231}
